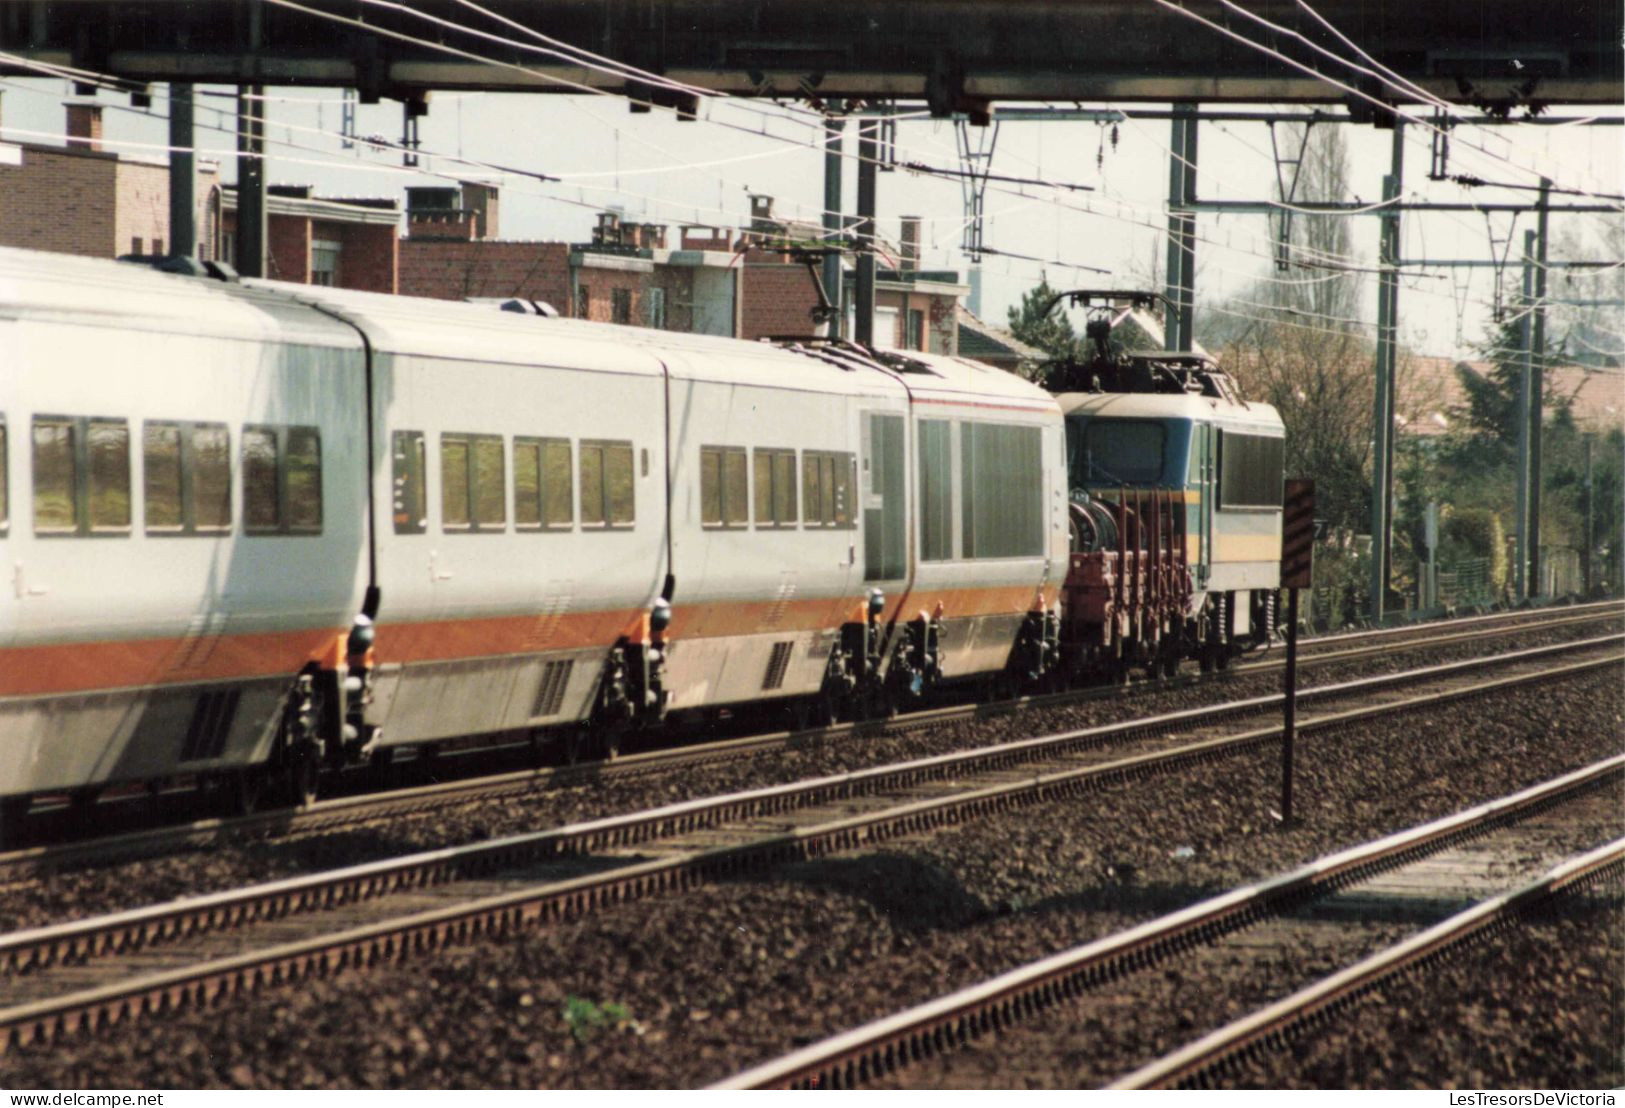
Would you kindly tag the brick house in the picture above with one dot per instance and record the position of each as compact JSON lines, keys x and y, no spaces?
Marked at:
{"x":626,"y":274}
{"x":81,"y":199}
{"x":344,"y":243}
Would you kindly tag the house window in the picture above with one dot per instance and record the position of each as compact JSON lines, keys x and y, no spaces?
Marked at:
{"x":915,"y":338}
{"x":654,"y":309}
{"x":583,"y":302}
{"x":324,"y":262}
{"x":620,"y":305}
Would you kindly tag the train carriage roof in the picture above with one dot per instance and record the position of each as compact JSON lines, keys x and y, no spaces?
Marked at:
{"x":94,"y":292}
{"x":1149,"y":405}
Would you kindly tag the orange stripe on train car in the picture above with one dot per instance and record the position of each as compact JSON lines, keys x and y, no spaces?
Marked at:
{"x":61,"y":668}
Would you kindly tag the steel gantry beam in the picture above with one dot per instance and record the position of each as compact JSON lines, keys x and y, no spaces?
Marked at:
{"x":954,"y":54}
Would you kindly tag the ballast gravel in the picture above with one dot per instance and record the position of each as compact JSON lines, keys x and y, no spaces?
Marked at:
{"x":685,"y":990}
{"x":100,"y":889}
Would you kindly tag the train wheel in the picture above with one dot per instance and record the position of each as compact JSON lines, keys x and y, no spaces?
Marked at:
{"x":1204,"y":659}
{"x":1222,"y":658}
{"x":13,"y":818}
{"x":609,"y":747}
{"x":1170,"y":665}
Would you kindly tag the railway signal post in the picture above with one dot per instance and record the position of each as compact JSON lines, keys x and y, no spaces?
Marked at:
{"x":1297,"y":562}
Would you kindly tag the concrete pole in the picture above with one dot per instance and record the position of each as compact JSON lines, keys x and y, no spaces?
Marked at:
{"x":1382,"y":412}
{"x":832,"y":218}
{"x":1180,"y":289}
{"x":1537,"y":381}
{"x":1521,"y":582}
{"x":863,"y":308}
{"x":251,"y":226}
{"x":182,"y":174}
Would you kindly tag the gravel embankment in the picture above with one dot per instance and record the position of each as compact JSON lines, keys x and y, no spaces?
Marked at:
{"x":724,"y":977}
{"x":1540,"y":1006}
{"x":96,"y":890}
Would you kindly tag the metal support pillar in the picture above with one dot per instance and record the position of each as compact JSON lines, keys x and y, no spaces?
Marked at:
{"x":1521,"y":583}
{"x":251,"y":228}
{"x":863,"y":307}
{"x":182,"y":173}
{"x":832,"y":219}
{"x":1537,"y":382}
{"x":1382,"y":418}
{"x":1181,"y":283}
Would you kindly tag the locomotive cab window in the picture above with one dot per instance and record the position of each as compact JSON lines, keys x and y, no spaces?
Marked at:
{"x":1119,"y":452}
{"x":541,"y":485}
{"x":81,"y":476}
{"x":473,"y":494}
{"x":775,"y":488}
{"x":282,"y":480}
{"x":186,"y":477}
{"x":724,"y":487}
{"x":1250,"y":470}
{"x":608,"y":496}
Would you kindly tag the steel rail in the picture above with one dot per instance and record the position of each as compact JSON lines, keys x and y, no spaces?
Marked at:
{"x":116,"y":933}
{"x":1273,"y":1026}
{"x":326,"y":815}
{"x":853,"y":1057}
{"x":393,"y":939}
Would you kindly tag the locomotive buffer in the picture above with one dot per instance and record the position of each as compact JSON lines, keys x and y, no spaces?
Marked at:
{"x":1297,"y":564}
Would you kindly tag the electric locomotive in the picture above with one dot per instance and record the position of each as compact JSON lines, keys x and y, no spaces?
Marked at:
{"x":1175,"y":484}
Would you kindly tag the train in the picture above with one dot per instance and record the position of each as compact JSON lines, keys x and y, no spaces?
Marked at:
{"x":258,"y":530}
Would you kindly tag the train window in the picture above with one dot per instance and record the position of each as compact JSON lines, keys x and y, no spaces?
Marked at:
{"x":775,"y":488}
{"x":1001,"y":489}
{"x":1122,"y":452}
{"x":541,"y":483}
{"x":161,"y":477}
{"x":211,"y":477}
{"x":724,"y":487}
{"x":812,"y":498}
{"x":527,"y":484}
{"x":608,"y":498}
{"x":827,"y":480}
{"x":186,"y":476}
{"x":56,"y":476}
{"x":304,"y":479}
{"x":489,"y":494}
{"x":558,"y":511}
{"x":1250,"y":470}
{"x":5,"y":500}
{"x":262,"y":500}
{"x":108,"y":442}
{"x":454,"y":507}
{"x":409,"y":500}
{"x":936,"y":490}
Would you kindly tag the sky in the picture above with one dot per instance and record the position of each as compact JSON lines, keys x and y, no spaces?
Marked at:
{"x":656,"y":168}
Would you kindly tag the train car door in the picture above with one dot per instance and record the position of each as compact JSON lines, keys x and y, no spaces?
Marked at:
{"x":1202,"y":470}
{"x":884,"y":479}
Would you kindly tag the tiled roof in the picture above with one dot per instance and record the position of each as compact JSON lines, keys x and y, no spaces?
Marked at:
{"x":978,"y":339}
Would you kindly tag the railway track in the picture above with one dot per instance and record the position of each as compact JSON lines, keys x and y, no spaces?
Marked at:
{"x":364,"y":808}
{"x":1464,"y":875}
{"x":94,"y":972}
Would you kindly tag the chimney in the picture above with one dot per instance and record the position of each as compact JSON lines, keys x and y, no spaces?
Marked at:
{"x":761,"y":212}
{"x":481,"y":200}
{"x":910,"y":242}
{"x":85,"y":126}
